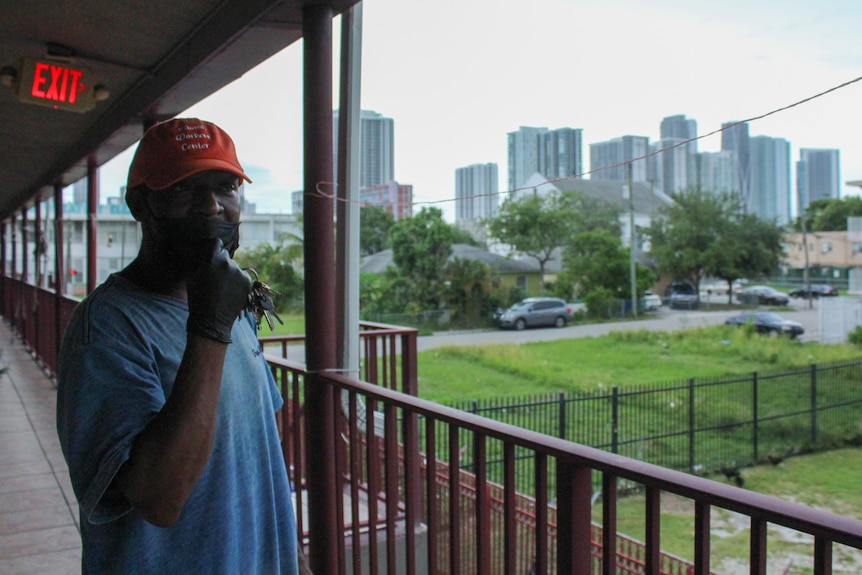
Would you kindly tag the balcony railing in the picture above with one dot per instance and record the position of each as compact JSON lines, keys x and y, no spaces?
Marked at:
{"x":409,"y":505}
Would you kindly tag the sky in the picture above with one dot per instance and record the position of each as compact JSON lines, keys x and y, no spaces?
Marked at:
{"x":457,"y":76}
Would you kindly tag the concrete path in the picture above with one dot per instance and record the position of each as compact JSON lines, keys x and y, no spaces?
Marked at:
{"x":38,"y":514}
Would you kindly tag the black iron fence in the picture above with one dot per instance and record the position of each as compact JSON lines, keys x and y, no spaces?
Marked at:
{"x":701,"y":426}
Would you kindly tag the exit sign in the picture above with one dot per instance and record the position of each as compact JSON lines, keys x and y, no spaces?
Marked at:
{"x":56,"y":84}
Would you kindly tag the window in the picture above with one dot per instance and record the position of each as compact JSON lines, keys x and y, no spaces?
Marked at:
{"x":521,"y":282}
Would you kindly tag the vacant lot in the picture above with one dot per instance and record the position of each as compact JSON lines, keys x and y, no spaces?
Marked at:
{"x":454,"y":374}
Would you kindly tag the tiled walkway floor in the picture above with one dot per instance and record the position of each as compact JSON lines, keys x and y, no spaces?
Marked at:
{"x":38,"y":513}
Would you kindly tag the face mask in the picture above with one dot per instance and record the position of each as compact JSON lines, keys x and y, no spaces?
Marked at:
{"x":187,"y":239}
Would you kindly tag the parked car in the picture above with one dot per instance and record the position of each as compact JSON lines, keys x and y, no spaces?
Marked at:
{"x":535,"y":312}
{"x":817,"y":290}
{"x":762,"y":295}
{"x":680,"y":295}
{"x":767,"y":322}
{"x":651,"y":302}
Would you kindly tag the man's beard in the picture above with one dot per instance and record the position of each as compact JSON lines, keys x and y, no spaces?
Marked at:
{"x":187,"y":241}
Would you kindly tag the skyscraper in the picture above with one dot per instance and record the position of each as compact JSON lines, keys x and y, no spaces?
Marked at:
{"x":716,"y":172}
{"x":552,"y":153}
{"x":672,"y":169}
{"x":376,"y":148}
{"x":817,"y":175}
{"x":608,"y":160}
{"x":682,"y":129}
{"x":769,"y":192}
{"x":476,"y":192}
{"x":734,"y":138}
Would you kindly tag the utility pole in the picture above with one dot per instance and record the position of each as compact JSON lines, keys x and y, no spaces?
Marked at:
{"x":807,"y":273}
{"x":632,"y":244}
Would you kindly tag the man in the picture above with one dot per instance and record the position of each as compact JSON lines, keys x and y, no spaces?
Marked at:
{"x":166,"y":406}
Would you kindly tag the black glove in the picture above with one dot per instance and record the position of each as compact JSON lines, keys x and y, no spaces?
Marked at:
{"x":217,"y":292}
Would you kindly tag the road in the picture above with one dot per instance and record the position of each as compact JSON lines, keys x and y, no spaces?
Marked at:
{"x":663,"y":320}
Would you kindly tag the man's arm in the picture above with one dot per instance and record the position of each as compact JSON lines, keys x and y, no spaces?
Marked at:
{"x":168,"y":457}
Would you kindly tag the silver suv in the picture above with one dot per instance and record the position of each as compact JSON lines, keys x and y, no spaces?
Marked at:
{"x":534,"y":312}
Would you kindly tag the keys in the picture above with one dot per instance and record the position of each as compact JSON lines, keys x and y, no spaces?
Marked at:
{"x":260,"y":302}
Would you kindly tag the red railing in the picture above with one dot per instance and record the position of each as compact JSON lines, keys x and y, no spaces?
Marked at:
{"x":39,"y":316}
{"x":423,"y":525}
{"x":415,"y":522}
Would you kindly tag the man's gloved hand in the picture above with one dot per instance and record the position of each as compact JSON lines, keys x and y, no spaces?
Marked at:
{"x":217,"y":292}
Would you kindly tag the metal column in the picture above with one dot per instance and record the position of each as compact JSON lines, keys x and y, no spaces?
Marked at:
{"x":92,"y":225}
{"x":319,"y":248}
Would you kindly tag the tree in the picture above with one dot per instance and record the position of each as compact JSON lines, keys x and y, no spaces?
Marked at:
{"x":374,"y":225}
{"x":751,"y":247}
{"x":421,"y":246}
{"x":690,"y":235}
{"x":598,"y":266}
{"x":537,"y":225}
{"x":471,"y":284}
{"x":830,"y":215}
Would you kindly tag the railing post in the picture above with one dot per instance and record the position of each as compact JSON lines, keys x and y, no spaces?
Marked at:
{"x":562,"y":417}
{"x":574,"y":521}
{"x":691,"y":424}
{"x":813,"y":404}
{"x":755,"y":416}
{"x":615,"y":420}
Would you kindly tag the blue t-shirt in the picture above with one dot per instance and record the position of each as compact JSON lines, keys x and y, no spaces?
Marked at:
{"x":118,"y":362}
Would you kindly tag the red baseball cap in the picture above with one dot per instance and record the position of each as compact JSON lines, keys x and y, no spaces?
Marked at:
{"x":176,"y":149}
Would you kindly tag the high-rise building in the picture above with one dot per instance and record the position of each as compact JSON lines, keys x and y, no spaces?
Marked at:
{"x":683,"y":130}
{"x":734,"y":138}
{"x":476,"y":192}
{"x":562,"y":156}
{"x":376,"y":148}
{"x":817,"y":175}
{"x":552,"y":153}
{"x":673,"y":168}
{"x":769,"y":192}
{"x":609,"y":160}
{"x":716,"y":172}
{"x":395,"y":198}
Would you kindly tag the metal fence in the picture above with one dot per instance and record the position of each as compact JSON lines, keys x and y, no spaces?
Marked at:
{"x":700,"y":426}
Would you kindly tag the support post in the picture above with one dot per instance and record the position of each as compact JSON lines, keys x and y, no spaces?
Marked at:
{"x":92,"y":225}
{"x":324,"y":532}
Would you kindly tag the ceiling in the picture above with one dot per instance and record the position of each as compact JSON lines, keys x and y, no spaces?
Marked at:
{"x":155,"y":59}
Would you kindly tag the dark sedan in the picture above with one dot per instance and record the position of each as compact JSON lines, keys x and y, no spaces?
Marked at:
{"x":762,"y":295}
{"x":767,"y":322}
{"x":817,"y":290}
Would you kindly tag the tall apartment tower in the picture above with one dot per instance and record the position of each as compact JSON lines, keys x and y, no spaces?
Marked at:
{"x":609,"y":159}
{"x":552,"y":153}
{"x":769,"y":194}
{"x":734,"y":138}
{"x":716,"y":172}
{"x":817,"y":175}
{"x":476,"y":192}
{"x":376,"y":148}
{"x":672,"y":169}
{"x":682,"y":129}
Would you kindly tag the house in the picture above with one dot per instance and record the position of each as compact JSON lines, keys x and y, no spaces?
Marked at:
{"x":522,"y":274}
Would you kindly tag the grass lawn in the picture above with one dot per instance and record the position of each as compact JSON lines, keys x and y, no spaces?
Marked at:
{"x":624,"y":359}
{"x":825,"y":481}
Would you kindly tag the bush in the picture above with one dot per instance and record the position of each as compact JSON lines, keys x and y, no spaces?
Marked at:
{"x":855,"y":336}
{"x":599,"y":302}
